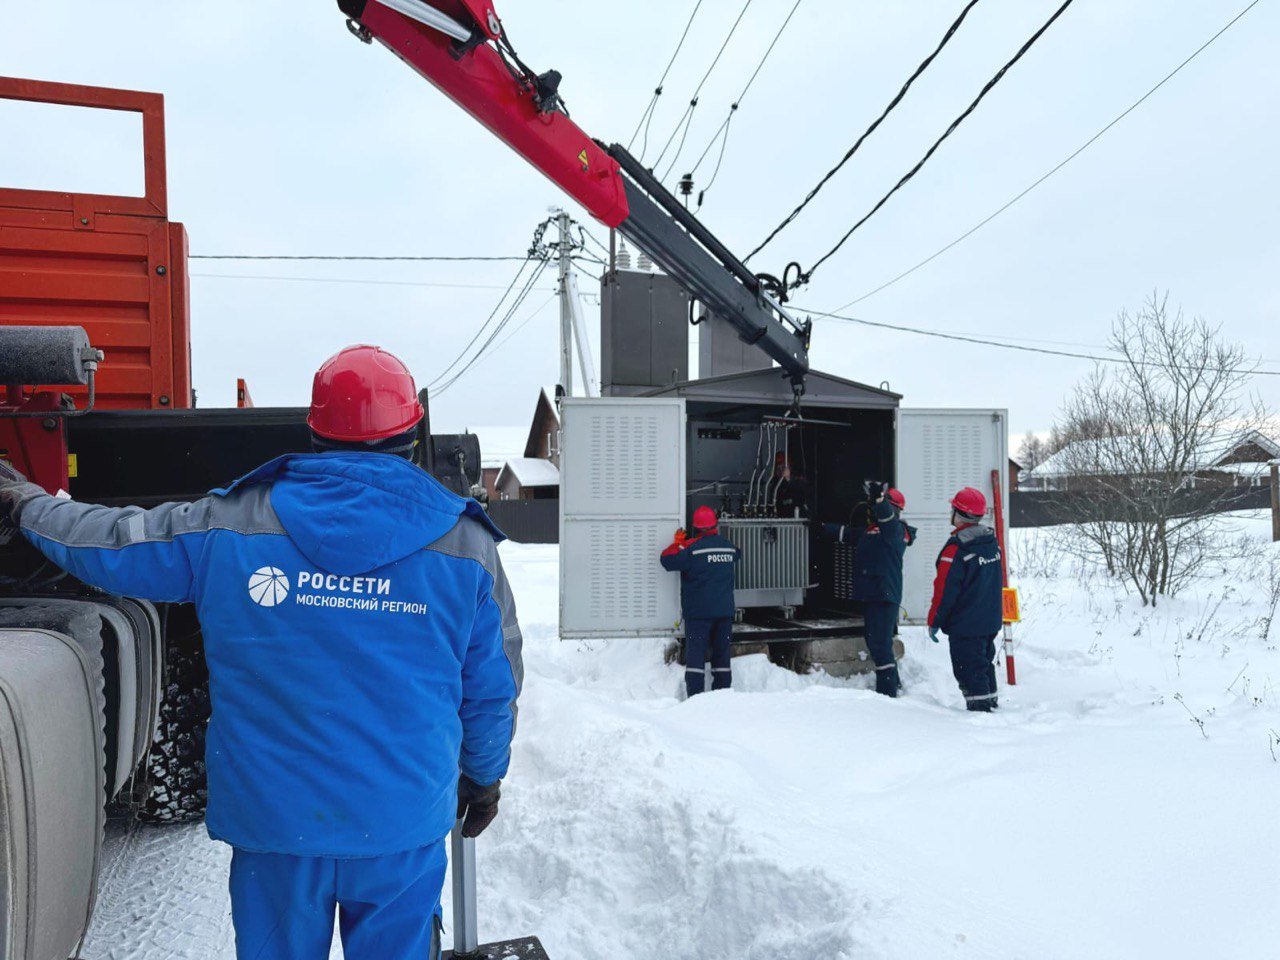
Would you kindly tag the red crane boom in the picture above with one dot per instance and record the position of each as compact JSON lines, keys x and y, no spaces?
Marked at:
{"x":461,"y":48}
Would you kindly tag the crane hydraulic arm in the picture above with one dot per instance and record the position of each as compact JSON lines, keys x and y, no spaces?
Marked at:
{"x":460,"y":46}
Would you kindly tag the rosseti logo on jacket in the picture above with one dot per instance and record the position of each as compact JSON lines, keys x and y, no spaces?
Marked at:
{"x":268,"y":586}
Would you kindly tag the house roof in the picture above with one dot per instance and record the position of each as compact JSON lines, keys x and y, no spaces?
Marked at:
{"x":544,"y":410}
{"x":1122,"y":455}
{"x":770,"y":387}
{"x":530,"y":472}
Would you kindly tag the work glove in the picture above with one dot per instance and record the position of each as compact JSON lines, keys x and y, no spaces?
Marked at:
{"x":682,"y":537}
{"x":477,"y":805}
{"x":9,"y":479}
{"x":933,"y":634}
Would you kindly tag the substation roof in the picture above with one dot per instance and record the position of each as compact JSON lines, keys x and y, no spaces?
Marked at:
{"x":771,"y":388}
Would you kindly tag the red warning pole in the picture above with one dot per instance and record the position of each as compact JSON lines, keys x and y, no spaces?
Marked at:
{"x":998,"y":496}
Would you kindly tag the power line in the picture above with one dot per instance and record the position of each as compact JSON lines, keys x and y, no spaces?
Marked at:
{"x":924,"y":65}
{"x":497,"y":330}
{"x":723,"y":130}
{"x":982,"y":341}
{"x":955,"y":124}
{"x":523,"y":323}
{"x":687,"y":119}
{"x":1079,"y":150}
{"x":647,"y":117}
{"x":352,"y":281}
{"x":412,"y":259}
{"x":536,"y":249}
{"x":480,"y":331}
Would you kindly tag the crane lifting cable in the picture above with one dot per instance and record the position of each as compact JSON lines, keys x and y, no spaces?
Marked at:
{"x":892,"y":105}
{"x":806,"y":275}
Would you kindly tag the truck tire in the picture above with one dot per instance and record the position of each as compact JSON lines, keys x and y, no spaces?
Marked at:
{"x":174,"y":786}
{"x":52,"y":787}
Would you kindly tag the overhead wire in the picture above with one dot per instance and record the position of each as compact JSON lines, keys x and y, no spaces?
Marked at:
{"x":398,"y":258}
{"x":722,"y":133}
{"x":806,"y":275}
{"x":647,"y":117}
{"x":497,"y":330}
{"x":857,"y":144}
{"x":522,"y":324}
{"x":350,"y":280}
{"x":481,"y":329}
{"x":982,"y":341}
{"x":1075,"y":153}
{"x":687,"y":118}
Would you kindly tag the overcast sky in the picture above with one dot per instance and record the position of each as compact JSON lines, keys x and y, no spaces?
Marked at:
{"x":285,"y":135}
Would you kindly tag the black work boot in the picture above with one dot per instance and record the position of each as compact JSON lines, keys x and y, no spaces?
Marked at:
{"x":888,"y":683}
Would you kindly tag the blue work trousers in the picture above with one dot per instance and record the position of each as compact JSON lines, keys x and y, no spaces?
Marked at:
{"x":699,"y":635}
{"x":388,"y":907}
{"x":973,"y":663}
{"x":881,"y":624}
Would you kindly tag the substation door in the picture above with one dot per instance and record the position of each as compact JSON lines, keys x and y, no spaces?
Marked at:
{"x":940,"y":451}
{"x":622,"y":480}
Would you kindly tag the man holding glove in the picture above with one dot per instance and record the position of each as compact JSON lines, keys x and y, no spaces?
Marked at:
{"x":364,"y":664}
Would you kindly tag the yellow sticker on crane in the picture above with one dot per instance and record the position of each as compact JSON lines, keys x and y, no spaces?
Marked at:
{"x":1012,"y":609}
{"x":584,"y":160}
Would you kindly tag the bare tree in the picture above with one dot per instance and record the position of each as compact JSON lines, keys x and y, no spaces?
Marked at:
{"x":1138,"y":438}
{"x":1032,"y":452}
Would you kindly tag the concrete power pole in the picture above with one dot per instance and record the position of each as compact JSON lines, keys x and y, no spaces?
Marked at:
{"x":566,"y":311}
{"x":572,"y":322}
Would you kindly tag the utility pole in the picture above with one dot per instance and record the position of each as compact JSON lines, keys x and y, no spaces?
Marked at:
{"x":572,"y":322}
{"x":566,"y":311}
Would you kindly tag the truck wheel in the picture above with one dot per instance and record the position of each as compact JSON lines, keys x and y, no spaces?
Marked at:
{"x":174,"y":787}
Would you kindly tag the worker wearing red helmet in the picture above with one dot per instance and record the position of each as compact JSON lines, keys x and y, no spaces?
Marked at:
{"x":364,"y":664}
{"x":967,"y":599}
{"x":879,"y":549}
{"x":706,"y":563}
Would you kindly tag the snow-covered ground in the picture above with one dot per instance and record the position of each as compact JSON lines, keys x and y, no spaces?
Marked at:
{"x":1124,"y":802}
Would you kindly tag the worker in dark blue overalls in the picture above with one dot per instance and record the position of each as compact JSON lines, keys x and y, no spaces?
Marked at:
{"x":967,"y":602}
{"x":877,"y":577}
{"x":706,"y":563}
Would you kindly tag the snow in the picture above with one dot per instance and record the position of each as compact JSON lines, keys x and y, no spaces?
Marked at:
{"x":806,"y":817}
{"x":531,"y":472}
{"x":1118,"y":455}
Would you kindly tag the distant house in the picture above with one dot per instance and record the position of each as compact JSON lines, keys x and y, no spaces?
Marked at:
{"x":497,"y":446}
{"x":544,"y":432}
{"x":1230,"y":461}
{"x":528,"y":478}
{"x":1015,"y":474}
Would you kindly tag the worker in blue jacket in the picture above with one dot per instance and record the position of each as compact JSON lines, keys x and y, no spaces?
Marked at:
{"x":967,"y":599}
{"x":364,"y":664}
{"x":879,"y":550}
{"x":706,"y":564}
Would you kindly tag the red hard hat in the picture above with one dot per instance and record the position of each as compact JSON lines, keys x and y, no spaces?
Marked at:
{"x":704,"y":518}
{"x":894,"y":496}
{"x":970,"y":501}
{"x":363,"y":393}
